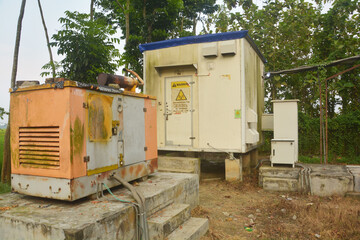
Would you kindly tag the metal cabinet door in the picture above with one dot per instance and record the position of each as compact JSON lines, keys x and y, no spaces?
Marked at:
{"x":178,"y":111}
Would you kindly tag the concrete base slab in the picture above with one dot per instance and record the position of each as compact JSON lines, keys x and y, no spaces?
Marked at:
{"x":355,"y":171}
{"x":192,"y":229}
{"x":179,"y":164}
{"x":281,"y":173}
{"x":25,"y":217}
{"x":281,"y":184}
{"x":328,"y":180}
{"x":162,"y":223}
{"x":325,"y":180}
{"x":233,"y":170}
{"x":355,"y":195}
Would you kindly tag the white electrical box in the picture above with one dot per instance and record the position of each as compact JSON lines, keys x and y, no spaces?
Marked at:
{"x":282,"y":151}
{"x":284,"y":146}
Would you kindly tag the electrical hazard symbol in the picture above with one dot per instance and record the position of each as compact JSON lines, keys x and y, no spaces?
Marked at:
{"x":181,"y":96}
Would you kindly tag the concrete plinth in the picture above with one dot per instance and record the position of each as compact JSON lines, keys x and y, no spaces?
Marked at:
{"x":327,"y":180}
{"x":323,"y":180}
{"x":279,"y":178}
{"x":355,"y":171}
{"x":179,"y":164}
{"x":25,"y":217}
{"x":233,"y":170}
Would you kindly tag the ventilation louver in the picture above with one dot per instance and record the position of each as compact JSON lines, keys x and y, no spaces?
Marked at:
{"x":39,"y":147}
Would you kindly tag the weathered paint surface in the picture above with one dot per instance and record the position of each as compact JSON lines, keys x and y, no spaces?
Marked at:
{"x":46,"y":109}
{"x":150,"y":129}
{"x":75,"y":133}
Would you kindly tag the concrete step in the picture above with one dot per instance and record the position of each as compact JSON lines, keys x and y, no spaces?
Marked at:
{"x":35,"y":218}
{"x":179,"y":164}
{"x":192,"y":229}
{"x":163,"y":222}
{"x":353,"y":195}
{"x":166,"y":189}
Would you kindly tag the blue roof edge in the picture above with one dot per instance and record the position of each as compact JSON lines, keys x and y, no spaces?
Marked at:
{"x":202,"y":39}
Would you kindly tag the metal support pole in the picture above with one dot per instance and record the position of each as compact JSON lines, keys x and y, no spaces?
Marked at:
{"x":321,"y":153}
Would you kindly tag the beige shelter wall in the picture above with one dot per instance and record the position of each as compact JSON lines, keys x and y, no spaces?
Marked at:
{"x":254,"y":87}
{"x":216,"y":92}
{"x":219,"y":97}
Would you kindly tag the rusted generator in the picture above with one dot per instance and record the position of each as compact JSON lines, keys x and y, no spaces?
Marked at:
{"x":68,"y":138}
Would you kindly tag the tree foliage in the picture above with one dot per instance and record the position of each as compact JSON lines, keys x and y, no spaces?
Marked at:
{"x":294,"y":33}
{"x":87,"y":47}
{"x":2,"y":113}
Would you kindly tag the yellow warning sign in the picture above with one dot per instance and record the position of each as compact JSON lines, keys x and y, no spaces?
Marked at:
{"x":180,"y":84}
{"x":181,"y":96}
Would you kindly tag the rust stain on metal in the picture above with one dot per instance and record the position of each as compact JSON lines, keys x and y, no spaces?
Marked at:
{"x":131,"y":169}
{"x":139,"y":169}
{"x":153,"y":165}
{"x":123,"y":172}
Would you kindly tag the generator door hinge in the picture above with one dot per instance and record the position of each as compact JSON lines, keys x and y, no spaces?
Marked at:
{"x":144,"y":109}
{"x":87,"y":159}
{"x":145,"y":148}
{"x":191,"y":82}
{"x":192,"y":137}
{"x":85,"y":105}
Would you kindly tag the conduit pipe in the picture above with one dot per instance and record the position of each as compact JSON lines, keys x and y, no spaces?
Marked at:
{"x":140,"y":199}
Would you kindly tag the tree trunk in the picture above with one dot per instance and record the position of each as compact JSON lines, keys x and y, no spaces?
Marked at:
{"x":47,"y":40}
{"x":127,"y":21}
{"x":6,"y":168}
{"x":17,"y":44}
{"x":194,"y":26}
{"x":91,"y":10}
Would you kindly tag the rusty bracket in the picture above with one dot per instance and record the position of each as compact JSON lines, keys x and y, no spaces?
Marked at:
{"x":85,"y":105}
{"x":145,"y":148}
{"x":145,"y":109}
{"x":87,"y":159}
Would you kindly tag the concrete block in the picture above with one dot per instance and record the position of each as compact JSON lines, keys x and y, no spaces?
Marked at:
{"x":279,"y":172}
{"x":280,"y":184}
{"x":328,"y":180}
{"x":162,"y":223}
{"x":233,"y":170}
{"x":30,"y":218}
{"x":179,"y":164}
{"x":355,"y":195}
{"x":192,"y":229}
{"x":355,"y":171}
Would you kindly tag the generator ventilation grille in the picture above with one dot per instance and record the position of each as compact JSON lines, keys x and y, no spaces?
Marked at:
{"x":39,"y":147}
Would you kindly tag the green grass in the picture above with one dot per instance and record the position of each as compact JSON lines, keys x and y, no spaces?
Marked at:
{"x":2,"y":136}
{"x":3,"y":186}
{"x":338,"y":160}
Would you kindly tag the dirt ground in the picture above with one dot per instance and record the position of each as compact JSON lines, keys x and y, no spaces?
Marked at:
{"x":242,"y":210}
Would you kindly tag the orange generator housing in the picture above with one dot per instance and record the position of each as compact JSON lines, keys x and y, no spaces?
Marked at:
{"x":67,"y":138}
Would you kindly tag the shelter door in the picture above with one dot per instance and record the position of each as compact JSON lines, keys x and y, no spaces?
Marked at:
{"x":178,"y":111}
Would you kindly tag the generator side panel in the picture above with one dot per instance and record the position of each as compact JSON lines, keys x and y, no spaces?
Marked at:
{"x":150,"y":129}
{"x":40,"y":133}
{"x":102,"y":135}
{"x":77,"y":132}
{"x":134,"y":130}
